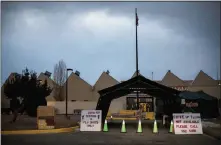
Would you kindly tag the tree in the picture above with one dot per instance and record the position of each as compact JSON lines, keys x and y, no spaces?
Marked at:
{"x":13,"y":83}
{"x":60,"y":77}
{"x":26,"y":93}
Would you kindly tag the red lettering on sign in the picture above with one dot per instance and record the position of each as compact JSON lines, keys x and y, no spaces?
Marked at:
{"x":181,"y":126}
{"x":192,"y":130}
{"x":193,"y":126}
{"x":183,"y":131}
{"x":191,"y":104}
{"x":178,"y":121}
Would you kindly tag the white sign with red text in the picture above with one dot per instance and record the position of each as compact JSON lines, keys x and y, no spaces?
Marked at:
{"x":90,"y":120}
{"x":187,"y":123}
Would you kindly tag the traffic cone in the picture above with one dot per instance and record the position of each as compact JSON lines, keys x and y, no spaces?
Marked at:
{"x":155,"y":130}
{"x":171,"y":127}
{"x":105,"y":129}
{"x":139,"y":129}
{"x":123,"y":128}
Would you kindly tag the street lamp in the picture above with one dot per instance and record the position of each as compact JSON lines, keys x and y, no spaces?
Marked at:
{"x":69,"y":69}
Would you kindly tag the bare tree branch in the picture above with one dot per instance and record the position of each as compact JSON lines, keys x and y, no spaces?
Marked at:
{"x":59,"y":78}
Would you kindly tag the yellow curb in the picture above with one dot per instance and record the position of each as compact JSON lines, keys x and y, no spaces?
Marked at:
{"x":18,"y":132}
{"x":124,"y":118}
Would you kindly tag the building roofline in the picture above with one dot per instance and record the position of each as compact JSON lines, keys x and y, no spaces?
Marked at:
{"x":158,"y":81}
{"x":199,"y":74}
{"x":78,"y":77}
{"x":106,"y":74}
{"x":169,"y":71}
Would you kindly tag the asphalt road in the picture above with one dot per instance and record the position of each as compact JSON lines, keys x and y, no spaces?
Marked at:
{"x":113,"y":137}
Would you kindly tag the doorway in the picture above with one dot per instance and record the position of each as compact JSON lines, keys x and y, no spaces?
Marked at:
{"x":146,"y":103}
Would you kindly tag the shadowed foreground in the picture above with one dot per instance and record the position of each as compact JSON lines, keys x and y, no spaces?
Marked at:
{"x":113,"y":137}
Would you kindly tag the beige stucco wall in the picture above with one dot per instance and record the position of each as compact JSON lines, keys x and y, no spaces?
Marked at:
{"x":172,"y":80}
{"x":122,"y":101}
{"x":116,"y":106}
{"x":104,"y":81}
{"x":78,"y":89}
{"x":211,"y":90}
{"x":202,"y":79}
{"x":61,"y":106}
{"x":51,"y":84}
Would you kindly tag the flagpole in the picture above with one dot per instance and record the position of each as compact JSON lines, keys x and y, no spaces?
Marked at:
{"x":136,"y":24}
{"x":136,"y":17}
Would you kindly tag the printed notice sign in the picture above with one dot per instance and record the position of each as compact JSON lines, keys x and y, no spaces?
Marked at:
{"x":187,"y":123}
{"x":90,"y":120}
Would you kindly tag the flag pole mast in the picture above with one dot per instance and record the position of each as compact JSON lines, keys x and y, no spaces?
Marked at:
{"x":137,"y":71}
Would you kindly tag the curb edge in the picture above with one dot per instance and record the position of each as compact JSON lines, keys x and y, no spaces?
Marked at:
{"x":27,"y":132}
{"x":207,"y":132}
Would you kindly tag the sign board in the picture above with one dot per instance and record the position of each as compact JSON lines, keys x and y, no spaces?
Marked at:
{"x":90,"y":120}
{"x":45,"y":117}
{"x":187,"y":123}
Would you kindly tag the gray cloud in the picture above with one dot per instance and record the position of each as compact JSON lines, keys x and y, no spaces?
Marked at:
{"x":95,"y":36}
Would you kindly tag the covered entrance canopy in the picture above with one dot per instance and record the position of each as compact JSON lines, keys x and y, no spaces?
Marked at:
{"x":138,"y":83}
{"x":200,"y":102}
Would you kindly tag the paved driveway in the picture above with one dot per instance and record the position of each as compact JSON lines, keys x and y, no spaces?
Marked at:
{"x":25,"y":122}
{"x":113,"y":137}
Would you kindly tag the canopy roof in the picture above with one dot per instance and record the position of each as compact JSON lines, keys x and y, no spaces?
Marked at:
{"x":138,"y":83}
{"x":196,"y":95}
{"x":141,"y":84}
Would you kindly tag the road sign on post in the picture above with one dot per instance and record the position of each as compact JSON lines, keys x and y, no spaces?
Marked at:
{"x":91,"y":120}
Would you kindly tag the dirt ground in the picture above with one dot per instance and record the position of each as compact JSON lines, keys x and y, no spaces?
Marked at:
{"x":25,"y":122}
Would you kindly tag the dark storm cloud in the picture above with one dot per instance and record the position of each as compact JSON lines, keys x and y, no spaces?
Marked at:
{"x":200,"y":19}
{"x":168,"y":33}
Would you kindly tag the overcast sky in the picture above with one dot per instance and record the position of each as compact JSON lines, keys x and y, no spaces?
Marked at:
{"x":91,"y":37}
